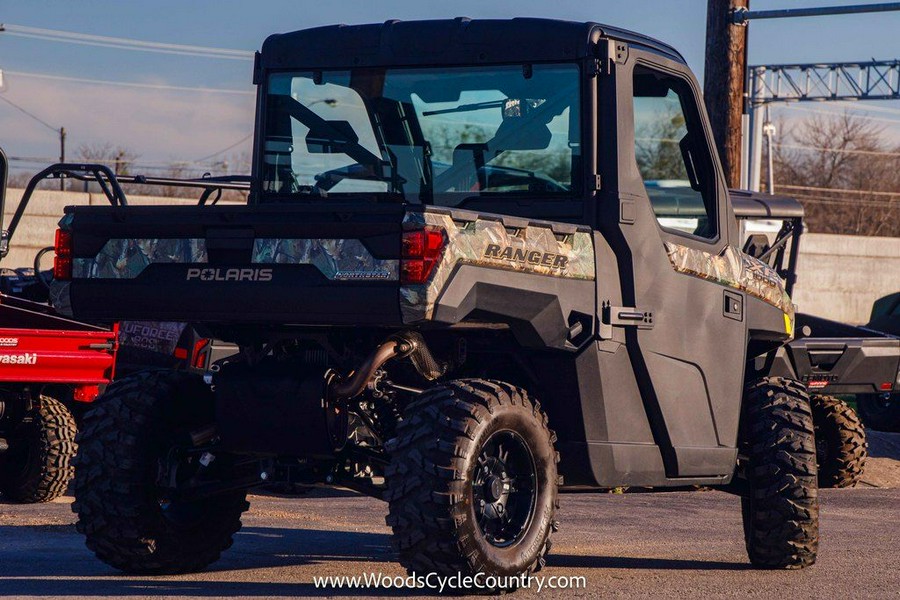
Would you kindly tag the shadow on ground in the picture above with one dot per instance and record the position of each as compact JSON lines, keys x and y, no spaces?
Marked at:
{"x":61,"y":566}
{"x":579,"y":561}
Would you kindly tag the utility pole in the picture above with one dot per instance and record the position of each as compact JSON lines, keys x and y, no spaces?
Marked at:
{"x":62,"y":155}
{"x":723,"y":82}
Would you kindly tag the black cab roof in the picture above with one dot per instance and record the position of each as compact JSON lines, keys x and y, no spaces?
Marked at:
{"x":460,"y":41}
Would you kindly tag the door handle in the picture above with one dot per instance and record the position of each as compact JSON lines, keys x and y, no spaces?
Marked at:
{"x":734,"y":306}
{"x":627,"y":316}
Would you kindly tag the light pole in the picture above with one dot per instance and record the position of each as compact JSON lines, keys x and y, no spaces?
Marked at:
{"x":61,"y":132}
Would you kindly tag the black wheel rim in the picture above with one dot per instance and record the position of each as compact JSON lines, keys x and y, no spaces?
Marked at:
{"x":504,"y":488}
{"x":178,"y":512}
{"x":821,"y":449}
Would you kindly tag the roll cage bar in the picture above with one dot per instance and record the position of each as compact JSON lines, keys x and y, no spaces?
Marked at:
{"x":110,"y":184}
{"x":750,"y":206}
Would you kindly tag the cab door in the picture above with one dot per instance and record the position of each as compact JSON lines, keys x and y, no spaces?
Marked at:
{"x":667,"y":220}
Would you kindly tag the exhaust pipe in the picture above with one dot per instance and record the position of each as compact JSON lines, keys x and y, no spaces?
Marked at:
{"x":353,"y":386}
{"x":407,"y":344}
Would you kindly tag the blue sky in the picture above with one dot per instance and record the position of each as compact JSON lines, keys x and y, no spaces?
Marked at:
{"x":164,"y":126}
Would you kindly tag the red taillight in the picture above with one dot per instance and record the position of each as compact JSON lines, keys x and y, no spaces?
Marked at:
{"x":86,"y":393}
{"x":62,"y":262}
{"x":198,"y":360}
{"x":886,"y":386}
{"x":422,"y":251}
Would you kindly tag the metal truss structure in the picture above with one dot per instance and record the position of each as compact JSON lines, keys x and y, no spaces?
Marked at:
{"x":872,"y":80}
{"x":813,"y":82}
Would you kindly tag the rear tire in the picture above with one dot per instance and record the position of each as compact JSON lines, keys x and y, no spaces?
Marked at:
{"x":781,"y":506}
{"x":841,"y":447}
{"x":125,"y":521}
{"x":38,"y":465}
{"x":472,"y":483}
{"x":880,"y":412}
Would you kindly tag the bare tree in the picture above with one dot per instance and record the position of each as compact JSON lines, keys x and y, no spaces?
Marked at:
{"x":117,"y":158}
{"x":845,"y":173}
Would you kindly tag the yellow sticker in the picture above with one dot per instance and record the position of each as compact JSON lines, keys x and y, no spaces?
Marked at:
{"x":788,"y":325}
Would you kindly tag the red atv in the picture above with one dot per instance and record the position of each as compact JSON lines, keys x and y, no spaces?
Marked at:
{"x":50,"y":369}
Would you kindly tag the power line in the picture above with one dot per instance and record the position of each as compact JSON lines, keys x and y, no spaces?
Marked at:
{"x":837,"y":150}
{"x":831,"y":113}
{"x":123,"y":43}
{"x":856,"y":105}
{"x":152,"y":86}
{"x":35,"y":117}
{"x":838,"y":190}
{"x":847,"y":203}
{"x":226,"y":149}
{"x":141,"y":164}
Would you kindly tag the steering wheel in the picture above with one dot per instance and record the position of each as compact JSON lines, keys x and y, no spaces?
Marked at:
{"x":37,"y":266}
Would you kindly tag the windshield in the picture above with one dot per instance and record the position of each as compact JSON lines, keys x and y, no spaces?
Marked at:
{"x":437,"y":135}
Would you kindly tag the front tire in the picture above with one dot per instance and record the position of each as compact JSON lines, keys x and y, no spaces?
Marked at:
{"x":38,"y":465}
{"x":126,"y":521}
{"x":841,"y":447}
{"x":778,"y":459}
{"x":472,"y":483}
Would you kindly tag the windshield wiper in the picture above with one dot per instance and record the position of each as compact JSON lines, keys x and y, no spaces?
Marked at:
{"x":465,"y":108}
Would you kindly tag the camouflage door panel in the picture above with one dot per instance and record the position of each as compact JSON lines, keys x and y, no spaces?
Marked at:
{"x":540,"y":248}
{"x":734,"y":269}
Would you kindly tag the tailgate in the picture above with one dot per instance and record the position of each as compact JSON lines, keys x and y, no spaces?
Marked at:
{"x":335,"y":264}
{"x":57,"y":356}
{"x":861,"y":365}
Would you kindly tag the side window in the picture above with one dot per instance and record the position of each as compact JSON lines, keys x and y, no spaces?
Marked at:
{"x":672,"y":154}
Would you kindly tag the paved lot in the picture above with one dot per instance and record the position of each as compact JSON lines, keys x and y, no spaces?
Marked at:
{"x":669,"y":545}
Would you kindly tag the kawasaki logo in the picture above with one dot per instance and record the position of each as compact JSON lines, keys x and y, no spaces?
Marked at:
{"x":261,"y":275}
{"x":530,"y":257}
{"x":18,"y":359}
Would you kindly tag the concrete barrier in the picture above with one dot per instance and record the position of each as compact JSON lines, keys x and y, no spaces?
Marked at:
{"x":839,"y":276}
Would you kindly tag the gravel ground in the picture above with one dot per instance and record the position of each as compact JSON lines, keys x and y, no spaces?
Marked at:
{"x":673,"y":545}
{"x":883,"y":466}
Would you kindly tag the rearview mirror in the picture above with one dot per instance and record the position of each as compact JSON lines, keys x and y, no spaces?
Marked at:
{"x":4,"y":244}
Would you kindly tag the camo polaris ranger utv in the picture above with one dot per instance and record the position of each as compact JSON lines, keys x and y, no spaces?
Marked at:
{"x":482,"y":260}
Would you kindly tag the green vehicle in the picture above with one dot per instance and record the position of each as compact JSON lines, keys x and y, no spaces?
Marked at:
{"x":881,"y":410}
